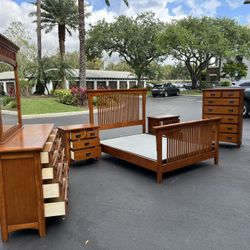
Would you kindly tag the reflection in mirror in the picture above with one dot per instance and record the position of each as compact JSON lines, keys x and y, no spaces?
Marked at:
{"x":8,"y":100}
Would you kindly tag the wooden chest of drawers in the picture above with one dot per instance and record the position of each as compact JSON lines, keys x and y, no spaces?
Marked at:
{"x":81,"y":141}
{"x":226,"y":103}
{"x":33,"y":179}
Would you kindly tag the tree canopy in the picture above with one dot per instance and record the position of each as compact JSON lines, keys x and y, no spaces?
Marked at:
{"x":133,"y":38}
{"x":195,"y":41}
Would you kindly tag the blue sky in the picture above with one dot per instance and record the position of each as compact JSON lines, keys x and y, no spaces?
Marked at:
{"x":166,"y":10}
{"x":226,"y":8}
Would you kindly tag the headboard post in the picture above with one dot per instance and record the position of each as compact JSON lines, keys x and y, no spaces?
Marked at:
{"x":118,"y":108}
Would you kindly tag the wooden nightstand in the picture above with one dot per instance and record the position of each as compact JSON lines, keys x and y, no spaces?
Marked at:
{"x":81,"y":142}
{"x":159,"y":120}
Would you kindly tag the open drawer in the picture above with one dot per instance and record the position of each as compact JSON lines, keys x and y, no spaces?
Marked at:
{"x":58,"y":207}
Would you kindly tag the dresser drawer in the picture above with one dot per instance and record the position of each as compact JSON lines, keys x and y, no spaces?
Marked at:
{"x":77,"y":135}
{"x":212,"y":93}
{"x":85,"y":154}
{"x":84,"y":144}
{"x":230,"y":94}
{"x":92,"y":133}
{"x":221,"y":101}
{"x":55,"y":209}
{"x":228,"y":128}
{"x":46,"y":154}
{"x":47,"y":173}
{"x":232,"y":138}
{"x":51,"y":190}
{"x":220,"y":110}
{"x":225,"y":118}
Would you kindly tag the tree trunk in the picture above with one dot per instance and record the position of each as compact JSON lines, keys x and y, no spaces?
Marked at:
{"x":82,"y":56}
{"x":61,"y":35}
{"x":39,"y":84}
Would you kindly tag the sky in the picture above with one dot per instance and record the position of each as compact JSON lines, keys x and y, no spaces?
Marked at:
{"x":165,"y":10}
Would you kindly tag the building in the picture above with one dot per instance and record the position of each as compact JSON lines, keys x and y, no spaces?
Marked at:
{"x":95,"y":79}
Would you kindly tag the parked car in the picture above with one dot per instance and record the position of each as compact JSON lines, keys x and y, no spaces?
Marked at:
{"x":246,"y":85}
{"x":165,"y":89}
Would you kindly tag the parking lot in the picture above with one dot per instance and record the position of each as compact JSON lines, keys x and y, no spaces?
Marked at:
{"x":116,"y":205}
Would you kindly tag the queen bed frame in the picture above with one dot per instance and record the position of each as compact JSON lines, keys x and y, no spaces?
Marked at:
{"x":172,"y":147}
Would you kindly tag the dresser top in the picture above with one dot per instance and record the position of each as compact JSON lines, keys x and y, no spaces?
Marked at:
{"x":225,"y":89}
{"x":30,"y":138}
{"x":77,"y":127}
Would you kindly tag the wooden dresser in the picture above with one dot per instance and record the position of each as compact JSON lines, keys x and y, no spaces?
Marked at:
{"x":81,"y":142}
{"x":33,"y":179}
{"x":226,"y":103}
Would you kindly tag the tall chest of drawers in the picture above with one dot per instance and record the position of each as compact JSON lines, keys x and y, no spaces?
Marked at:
{"x":226,"y":103}
{"x":33,"y":179}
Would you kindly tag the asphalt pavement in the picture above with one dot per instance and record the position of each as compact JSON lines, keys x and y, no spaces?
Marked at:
{"x":114,"y":205}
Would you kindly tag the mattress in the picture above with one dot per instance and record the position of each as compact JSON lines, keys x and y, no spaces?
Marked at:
{"x":143,"y":145}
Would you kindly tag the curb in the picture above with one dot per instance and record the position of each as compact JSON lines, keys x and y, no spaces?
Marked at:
{"x":55,"y":114}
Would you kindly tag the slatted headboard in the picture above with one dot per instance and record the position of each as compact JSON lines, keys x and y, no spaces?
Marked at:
{"x":118,"y":108}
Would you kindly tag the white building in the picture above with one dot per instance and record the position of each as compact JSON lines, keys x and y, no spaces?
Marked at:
{"x":95,"y":79}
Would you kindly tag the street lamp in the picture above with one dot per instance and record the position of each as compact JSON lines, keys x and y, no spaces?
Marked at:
{"x":246,"y":2}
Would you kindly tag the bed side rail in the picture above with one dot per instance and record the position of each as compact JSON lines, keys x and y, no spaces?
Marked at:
{"x":188,"y":139}
{"x":117,"y":108}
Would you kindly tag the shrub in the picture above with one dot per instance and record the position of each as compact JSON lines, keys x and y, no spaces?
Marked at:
{"x":225,"y":83}
{"x":79,"y":94}
{"x":64,"y":96}
{"x":12,"y":104}
{"x":7,"y":100}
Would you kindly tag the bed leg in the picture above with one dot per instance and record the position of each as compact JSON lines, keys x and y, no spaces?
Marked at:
{"x":216,"y":160}
{"x":159,"y":177}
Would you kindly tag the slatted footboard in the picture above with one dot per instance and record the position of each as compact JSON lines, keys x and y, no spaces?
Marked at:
{"x":187,"y":143}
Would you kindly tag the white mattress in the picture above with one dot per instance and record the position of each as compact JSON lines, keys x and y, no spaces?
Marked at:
{"x":142,"y":144}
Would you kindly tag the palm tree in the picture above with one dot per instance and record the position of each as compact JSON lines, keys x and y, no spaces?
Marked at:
{"x":39,"y":85}
{"x":82,"y":33}
{"x":61,"y":14}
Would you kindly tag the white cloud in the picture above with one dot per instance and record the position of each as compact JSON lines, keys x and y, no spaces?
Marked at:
{"x":233,"y":4}
{"x":203,"y":8}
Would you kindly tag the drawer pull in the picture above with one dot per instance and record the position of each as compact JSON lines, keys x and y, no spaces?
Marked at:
{"x":230,"y":94}
{"x":86,"y":144}
{"x":231,"y":102}
{"x":211,"y":102}
{"x":92,"y":134}
{"x":210,"y":110}
{"x":78,"y":136}
{"x":229,"y":129}
{"x":88,"y":154}
{"x":230,"y":119}
{"x":231,"y":110}
{"x":229,"y":138}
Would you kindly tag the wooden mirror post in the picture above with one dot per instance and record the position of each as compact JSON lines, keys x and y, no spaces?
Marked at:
{"x":8,"y":52}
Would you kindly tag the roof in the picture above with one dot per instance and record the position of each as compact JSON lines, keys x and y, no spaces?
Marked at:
{"x":90,"y":74}
{"x":106,"y":74}
{"x":7,"y":75}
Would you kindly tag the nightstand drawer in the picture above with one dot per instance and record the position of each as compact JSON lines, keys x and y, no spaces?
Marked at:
{"x":77,"y":135}
{"x":228,"y":128}
{"x":233,"y":138}
{"x":212,"y":93}
{"x":92,"y":133}
{"x":220,"y":110}
{"x":84,"y":144}
{"x":85,"y":154}
{"x":230,"y":94}
{"x":221,"y":101}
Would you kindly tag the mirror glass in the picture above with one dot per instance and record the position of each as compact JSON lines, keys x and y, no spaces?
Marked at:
{"x":8,"y":100}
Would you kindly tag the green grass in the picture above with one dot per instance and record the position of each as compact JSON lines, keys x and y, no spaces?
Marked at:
{"x":191,"y":92}
{"x":44,"y":105}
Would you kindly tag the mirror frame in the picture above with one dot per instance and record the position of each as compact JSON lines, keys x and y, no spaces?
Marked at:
{"x":8,"y":52}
